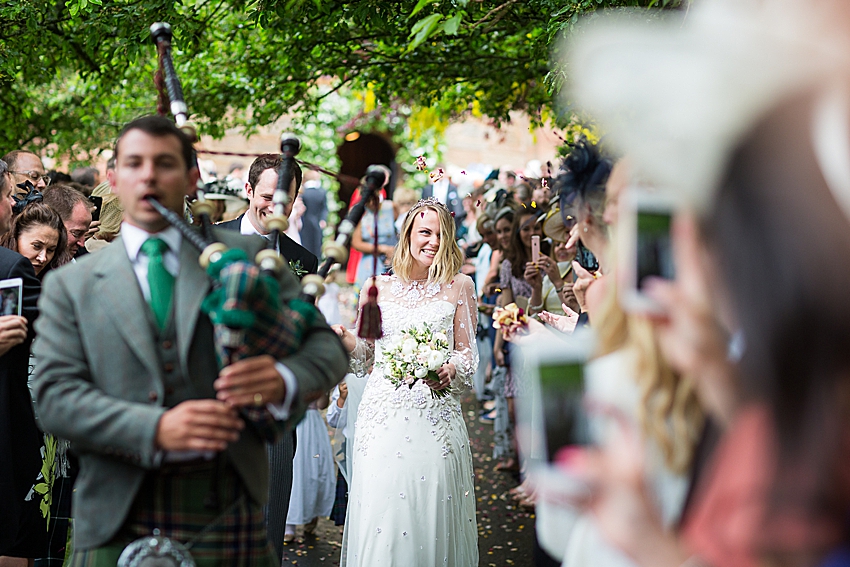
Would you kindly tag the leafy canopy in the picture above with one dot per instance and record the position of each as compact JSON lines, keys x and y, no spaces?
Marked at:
{"x":73,"y":71}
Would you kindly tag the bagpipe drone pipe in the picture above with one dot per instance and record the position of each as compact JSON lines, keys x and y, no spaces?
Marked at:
{"x":245,"y":306}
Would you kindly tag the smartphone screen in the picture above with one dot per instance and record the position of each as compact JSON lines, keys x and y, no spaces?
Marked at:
{"x":98,"y":203}
{"x":564,"y":418}
{"x":535,"y":248}
{"x":654,"y":246}
{"x":11,"y":296}
{"x":585,"y":258}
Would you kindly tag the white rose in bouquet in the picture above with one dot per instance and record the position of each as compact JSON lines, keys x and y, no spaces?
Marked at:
{"x":440,"y":336}
{"x":420,"y":372}
{"x":435,"y":360}
{"x":409,"y":346}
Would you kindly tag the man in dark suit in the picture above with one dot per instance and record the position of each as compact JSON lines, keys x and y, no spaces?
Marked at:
{"x":262,"y":182}
{"x":446,"y":192}
{"x":261,"y":185}
{"x":315,"y":214}
{"x":127,"y":372}
{"x":23,"y":528}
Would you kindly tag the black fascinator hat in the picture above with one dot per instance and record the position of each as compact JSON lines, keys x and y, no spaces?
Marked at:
{"x":583,"y":173}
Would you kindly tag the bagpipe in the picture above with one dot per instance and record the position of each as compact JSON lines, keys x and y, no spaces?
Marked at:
{"x":244,"y":306}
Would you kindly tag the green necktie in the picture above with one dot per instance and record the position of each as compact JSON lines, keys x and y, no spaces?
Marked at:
{"x":160,"y":280}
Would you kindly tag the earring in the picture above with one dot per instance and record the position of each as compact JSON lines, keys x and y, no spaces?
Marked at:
{"x":585,"y":229}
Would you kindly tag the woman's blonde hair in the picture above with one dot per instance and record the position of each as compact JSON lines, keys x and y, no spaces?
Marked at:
{"x":449,"y":258}
{"x":669,"y":410}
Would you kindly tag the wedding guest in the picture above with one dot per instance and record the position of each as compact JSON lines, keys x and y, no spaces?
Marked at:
{"x":403,"y":199}
{"x":313,"y":482}
{"x":777,"y":488}
{"x":551,"y":278}
{"x":75,"y":210}
{"x":337,"y":417}
{"x":23,"y":526}
{"x":364,"y":236}
{"x":515,"y":290}
{"x":39,"y":235}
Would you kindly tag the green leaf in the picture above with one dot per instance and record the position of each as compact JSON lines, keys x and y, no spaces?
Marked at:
{"x":419,"y":5}
{"x":423,"y":30}
{"x":452,"y":24}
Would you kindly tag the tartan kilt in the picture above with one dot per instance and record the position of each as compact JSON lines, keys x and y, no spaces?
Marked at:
{"x":175,"y":500}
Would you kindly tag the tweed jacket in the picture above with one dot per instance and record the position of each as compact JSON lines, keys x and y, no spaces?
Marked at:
{"x":98,"y":382}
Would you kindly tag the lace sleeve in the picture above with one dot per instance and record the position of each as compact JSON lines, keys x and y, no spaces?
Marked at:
{"x":465,"y":354}
{"x":363,"y":355}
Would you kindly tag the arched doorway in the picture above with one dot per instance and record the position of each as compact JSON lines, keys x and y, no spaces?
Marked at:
{"x":358,"y":151}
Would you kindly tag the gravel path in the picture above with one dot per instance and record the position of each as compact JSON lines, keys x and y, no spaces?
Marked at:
{"x":505,"y":532}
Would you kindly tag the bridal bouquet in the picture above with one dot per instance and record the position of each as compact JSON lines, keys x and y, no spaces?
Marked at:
{"x":416,"y":354}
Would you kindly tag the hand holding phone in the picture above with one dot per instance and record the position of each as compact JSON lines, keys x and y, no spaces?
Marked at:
{"x":13,"y":331}
{"x":98,"y":204}
{"x":551,"y":416}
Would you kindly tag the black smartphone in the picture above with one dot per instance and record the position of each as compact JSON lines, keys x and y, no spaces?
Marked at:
{"x":98,"y":203}
{"x":585,"y":258}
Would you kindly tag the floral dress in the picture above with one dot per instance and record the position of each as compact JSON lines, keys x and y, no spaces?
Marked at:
{"x":412,"y":498}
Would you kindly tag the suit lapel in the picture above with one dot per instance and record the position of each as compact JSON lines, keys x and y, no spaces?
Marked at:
{"x":191,"y":289}
{"x":123,"y":301}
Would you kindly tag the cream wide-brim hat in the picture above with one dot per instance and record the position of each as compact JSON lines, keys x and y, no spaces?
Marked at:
{"x":676,"y":93}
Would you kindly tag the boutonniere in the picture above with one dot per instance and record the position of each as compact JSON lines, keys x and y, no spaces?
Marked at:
{"x":297,"y":268}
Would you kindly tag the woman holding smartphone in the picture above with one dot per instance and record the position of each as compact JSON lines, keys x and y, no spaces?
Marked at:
{"x":515,"y":290}
{"x":550,"y":277}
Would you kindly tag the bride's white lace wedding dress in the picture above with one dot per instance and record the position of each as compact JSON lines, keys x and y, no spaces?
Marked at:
{"x":412,"y":497}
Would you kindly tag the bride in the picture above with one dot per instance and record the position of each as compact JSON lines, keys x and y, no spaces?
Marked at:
{"x":412,"y":498}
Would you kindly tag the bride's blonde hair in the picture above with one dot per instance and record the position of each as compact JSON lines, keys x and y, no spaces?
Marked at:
{"x":449,"y":258}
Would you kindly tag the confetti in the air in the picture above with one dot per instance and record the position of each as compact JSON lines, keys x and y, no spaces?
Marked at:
{"x":437,"y":175}
{"x":420,"y":164}
{"x":463,"y":172}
